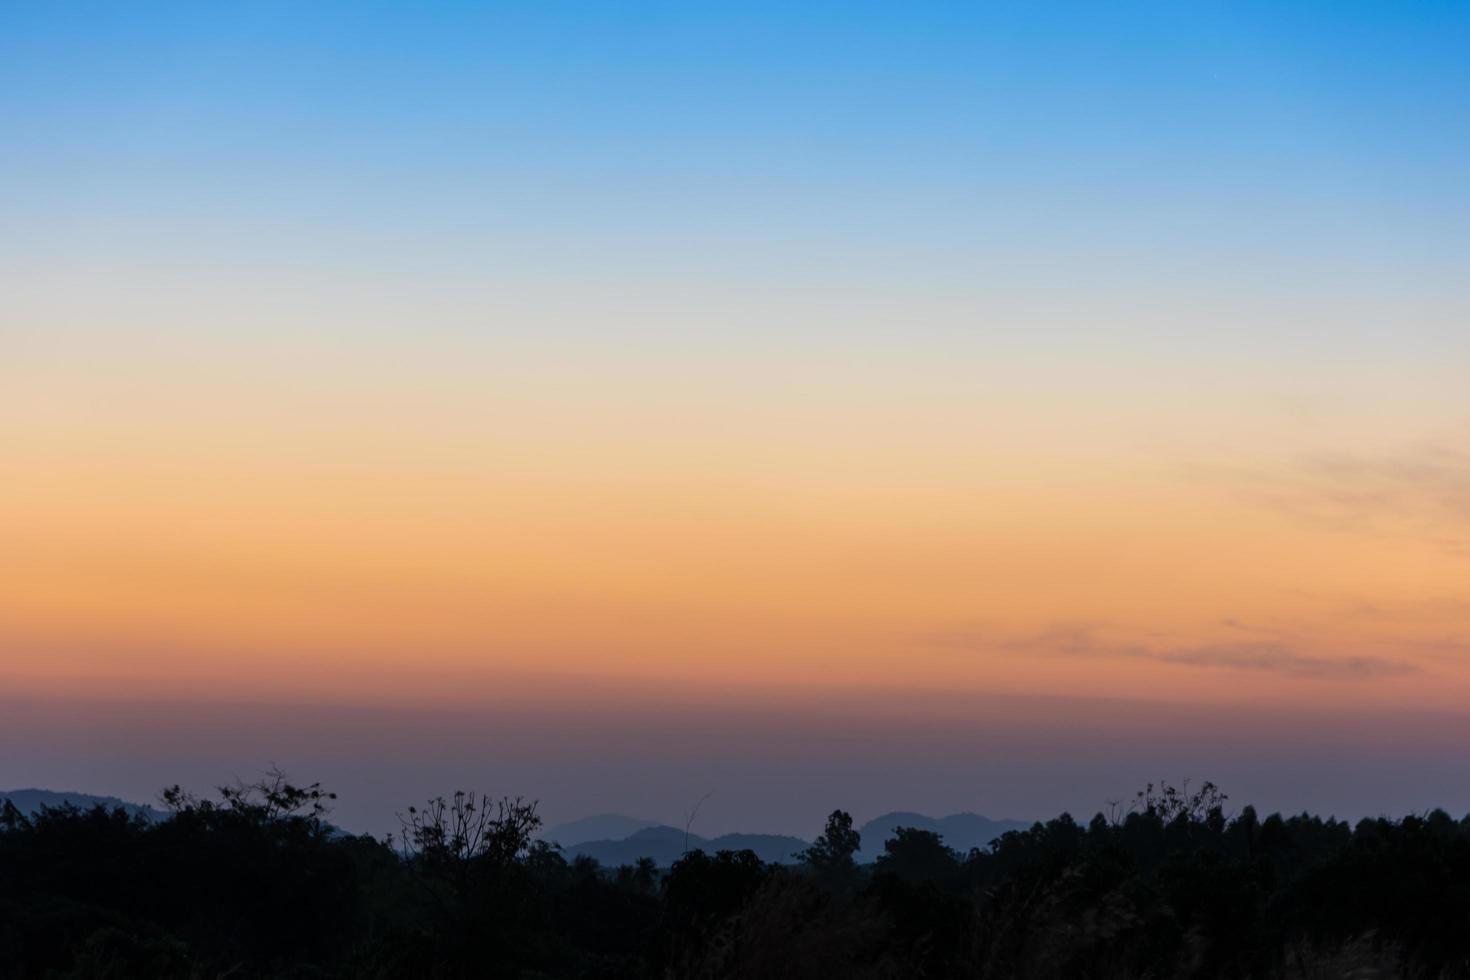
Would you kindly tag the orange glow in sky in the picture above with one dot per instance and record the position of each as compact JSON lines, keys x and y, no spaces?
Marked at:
{"x":1077,"y":366}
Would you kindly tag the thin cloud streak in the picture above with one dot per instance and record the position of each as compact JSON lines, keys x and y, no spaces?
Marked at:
{"x":1082,"y":641}
{"x":1420,"y":491}
{"x":1280,"y":659}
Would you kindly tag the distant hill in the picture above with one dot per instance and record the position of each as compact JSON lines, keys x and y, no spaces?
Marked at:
{"x":614,"y":839}
{"x":960,"y":831}
{"x":601,"y":827}
{"x":667,"y":844}
{"x":28,"y":801}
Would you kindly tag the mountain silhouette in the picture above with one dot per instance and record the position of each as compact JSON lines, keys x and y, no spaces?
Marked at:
{"x":599,"y":827}
{"x":615,"y":839}
{"x":960,"y":831}
{"x":28,"y":801}
{"x":667,"y":844}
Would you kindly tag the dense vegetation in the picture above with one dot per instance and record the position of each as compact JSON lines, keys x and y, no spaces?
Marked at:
{"x":258,"y":884}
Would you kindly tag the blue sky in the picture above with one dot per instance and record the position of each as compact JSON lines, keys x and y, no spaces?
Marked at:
{"x":958,"y":126}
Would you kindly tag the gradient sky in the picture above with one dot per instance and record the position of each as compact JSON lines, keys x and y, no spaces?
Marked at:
{"x":924,"y":405}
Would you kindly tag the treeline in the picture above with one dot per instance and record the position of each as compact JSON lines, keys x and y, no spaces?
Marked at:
{"x":257,"y":884}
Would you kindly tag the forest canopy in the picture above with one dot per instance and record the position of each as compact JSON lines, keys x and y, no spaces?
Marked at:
{"x":257,"y":883}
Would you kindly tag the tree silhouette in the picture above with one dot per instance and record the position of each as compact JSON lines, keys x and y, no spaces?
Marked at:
{"x":254,"y":884}
{"x":917,"y":855}
{"x":462,"y":829}
{"x":834,"y":850}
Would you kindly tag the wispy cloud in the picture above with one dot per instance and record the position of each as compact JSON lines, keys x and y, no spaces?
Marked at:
{"x":1086,"y":641}
{"x":1442,"y":609}
{"x":1280,"y":659}
{"x":1421,"y":491}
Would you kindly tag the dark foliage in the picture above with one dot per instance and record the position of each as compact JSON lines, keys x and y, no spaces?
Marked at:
{"x":256,"y":884}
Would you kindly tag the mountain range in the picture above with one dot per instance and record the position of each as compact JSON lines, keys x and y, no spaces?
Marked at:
{"x":603,"y":826}
{"x":615,"y":839}
{"x":961,"y":831}
{"x":28,"y":801}
{"x":666,"y":844}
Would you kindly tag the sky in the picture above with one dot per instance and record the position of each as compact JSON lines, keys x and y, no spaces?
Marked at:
{"x":935,"y":406}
